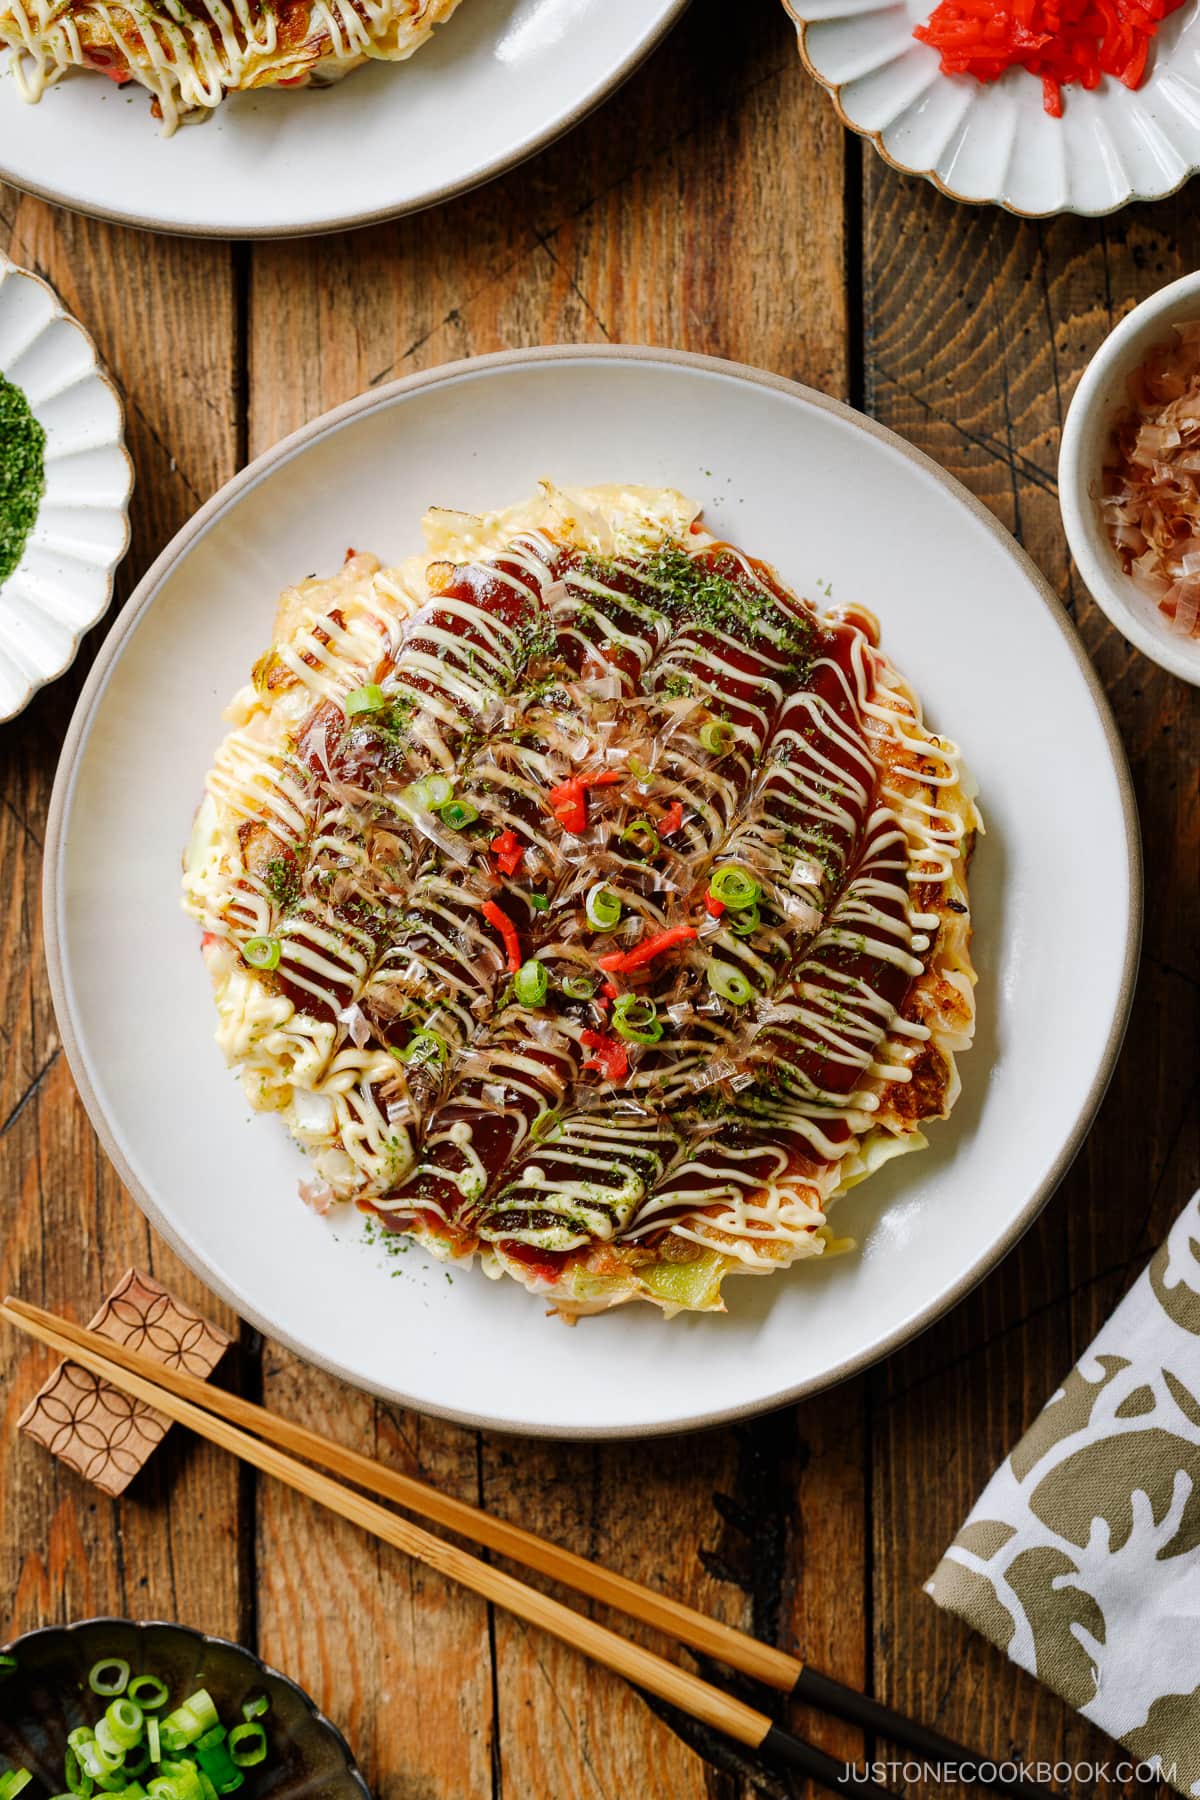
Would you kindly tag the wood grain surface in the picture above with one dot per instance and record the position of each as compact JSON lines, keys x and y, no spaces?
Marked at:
{"x":713,"y":204}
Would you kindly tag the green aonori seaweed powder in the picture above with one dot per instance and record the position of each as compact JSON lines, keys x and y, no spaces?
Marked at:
{"x":22,"y":474}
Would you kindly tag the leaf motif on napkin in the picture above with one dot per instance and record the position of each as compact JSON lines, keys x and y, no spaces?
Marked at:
{"x":1059,"y":1613}
{"x":1170,"y":1732}
{"x":1099,"y":1481}
{"x":1175,"y":1280}
{"x":1070,"y":1411}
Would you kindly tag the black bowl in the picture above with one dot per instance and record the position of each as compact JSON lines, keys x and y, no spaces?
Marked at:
{"x":47,"y":1695}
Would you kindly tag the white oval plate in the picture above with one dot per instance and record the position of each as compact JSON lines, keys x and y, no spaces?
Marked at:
{"x":63,"y":582}
{"x":788,"y":474}
{"x":996,"y":143}
{"x":498,"y":81}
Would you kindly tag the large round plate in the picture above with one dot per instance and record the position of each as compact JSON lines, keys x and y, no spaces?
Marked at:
{"x":498,"y":81}
{"x":995,"y":142}
{"x":792,"y":476}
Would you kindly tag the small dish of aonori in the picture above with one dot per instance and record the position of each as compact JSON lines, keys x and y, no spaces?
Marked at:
{"x":585,"y":883}
{"x":582,"y":899}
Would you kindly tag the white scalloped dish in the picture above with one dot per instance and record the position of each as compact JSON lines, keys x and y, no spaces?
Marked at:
{"x":63,"y":582}
{"x":995,"y":143}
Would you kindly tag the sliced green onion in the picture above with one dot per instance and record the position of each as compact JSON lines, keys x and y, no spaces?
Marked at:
{"x":163,"y":1788}
{"x":14,"y":1783}
{"x":83,"y":1734}
{"x":531,"y":982}
{"x":422,"y":1047}
{"x":366,"y":699}
{"x":186,"y":1777}
{"x":76,"y":1779}
{"x":125,"y":1720}
{"x":260,"y":953}
{"x":110,"y":1676}
{"x":212,"y":1738}
{"x":137,"y":1761}
{"x":7,"y":1665}
{"x":96,"y":1761}
{"x":641,"y":833}
{"x":149,"y":1693}
{"x":439,"y":790}
{"x":200,"y":1703}
{"x":603,"y":908}
{"x":717,"y":737}
{"x":220,"y":1767}
{"x":636,"y":1019}
{"x":207,"y":1790}
{"x":248,"y":1745}
{"x":743,"y":923}
{"x":254,"y":1709}
{"x":729,"y":983}
{"x":546,"y":1127}
{"x":458,"y":814}
{"x":539,"y":902}
{"x":108,"y":1740}
{"x":153,"y":1740}
{"x":735,"y":887}
{"x":578,"y":987}
{"x":192,"y":1719}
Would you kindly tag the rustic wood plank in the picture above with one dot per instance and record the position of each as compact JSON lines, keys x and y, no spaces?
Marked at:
{"x":973,"y":347}
{"x":65,"y":1551}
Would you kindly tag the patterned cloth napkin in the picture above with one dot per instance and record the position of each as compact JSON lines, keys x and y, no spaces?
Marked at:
{"x":1081,"y":1558}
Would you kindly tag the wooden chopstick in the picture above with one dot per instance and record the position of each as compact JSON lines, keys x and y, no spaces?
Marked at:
{"x":723,"y":1712}
{"x":722,"y":1642}
{"x":762,"y":1662}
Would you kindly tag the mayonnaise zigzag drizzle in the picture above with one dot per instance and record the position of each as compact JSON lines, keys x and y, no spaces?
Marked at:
{"x":190,"y":56}
{"x":581,"y":898}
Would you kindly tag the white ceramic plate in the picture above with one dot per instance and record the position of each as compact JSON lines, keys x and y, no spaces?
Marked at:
{"x":498,"y":81}
{"x":788,"y":474}
{"x":996,"y":143}
{"x":63,"y":582}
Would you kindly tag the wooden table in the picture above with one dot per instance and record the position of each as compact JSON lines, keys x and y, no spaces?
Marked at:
{"x":715,"y":204}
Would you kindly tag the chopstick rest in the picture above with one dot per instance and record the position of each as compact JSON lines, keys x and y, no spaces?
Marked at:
{"x":105,"y":1435}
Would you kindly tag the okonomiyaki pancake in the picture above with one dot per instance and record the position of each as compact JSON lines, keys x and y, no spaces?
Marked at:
{"x":585,"y":901}
{"x":191,"y":53}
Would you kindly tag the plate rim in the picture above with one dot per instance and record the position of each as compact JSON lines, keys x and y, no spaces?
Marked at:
{"x":229,"y":496}
{"x":834,"y":91}
{"x":499,"y":165}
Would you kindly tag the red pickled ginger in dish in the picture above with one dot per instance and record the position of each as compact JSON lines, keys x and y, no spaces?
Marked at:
{"x":1060,"y":41}
{"x":1151,"y":500}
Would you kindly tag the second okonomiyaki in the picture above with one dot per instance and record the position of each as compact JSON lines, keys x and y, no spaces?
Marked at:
{"x":583,"y":899}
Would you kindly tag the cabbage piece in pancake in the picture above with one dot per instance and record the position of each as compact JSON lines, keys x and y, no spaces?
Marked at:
{"x":191,"y":53}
